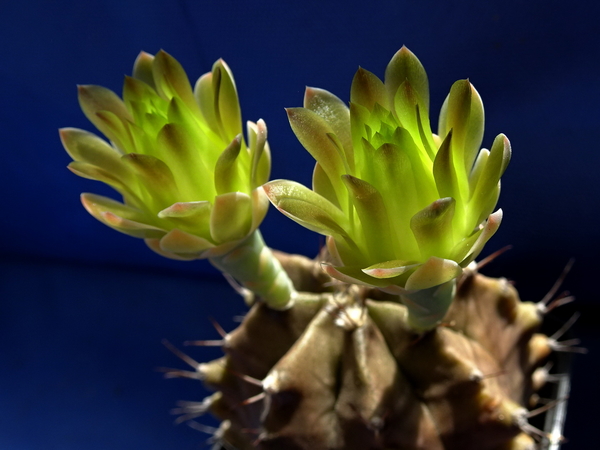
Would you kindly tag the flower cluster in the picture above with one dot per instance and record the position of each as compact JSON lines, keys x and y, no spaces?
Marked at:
{"x":404,"y":209}
{"x":188,"y":179}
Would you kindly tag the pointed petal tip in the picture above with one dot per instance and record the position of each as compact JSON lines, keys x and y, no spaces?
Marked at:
{"x":85,"y":88}
{"x":309,"y":92}
{"x":265,"y":187}
{"x":222,"y":65}
{"x":64,"y":132}
{"x":390,"y":269}
{"x":293,"y":111}
{"x":496,"y":216}
{"x":271,"y":190}
{"x":261,"y":128}
{"x":353,"y":275}
{"x":84,"y":198}
{"x":143,"y":56}
{"x":93,"y":202}
{"x":405,"y":51}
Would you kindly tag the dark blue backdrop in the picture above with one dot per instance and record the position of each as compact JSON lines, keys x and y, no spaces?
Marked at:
{"x":83,"y":308}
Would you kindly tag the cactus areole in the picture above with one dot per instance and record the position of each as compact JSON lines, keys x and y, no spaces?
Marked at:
{"x":390,"y":339}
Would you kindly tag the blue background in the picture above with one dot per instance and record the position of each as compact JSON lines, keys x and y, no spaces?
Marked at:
{"x":83,"y":308}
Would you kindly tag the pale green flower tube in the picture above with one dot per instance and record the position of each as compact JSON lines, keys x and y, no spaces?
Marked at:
{"x":254,"y":263}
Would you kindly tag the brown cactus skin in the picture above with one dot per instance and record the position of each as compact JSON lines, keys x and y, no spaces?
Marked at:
{"x":341,"y":370}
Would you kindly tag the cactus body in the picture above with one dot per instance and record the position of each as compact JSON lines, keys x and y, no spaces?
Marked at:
{"x":342,"y":370}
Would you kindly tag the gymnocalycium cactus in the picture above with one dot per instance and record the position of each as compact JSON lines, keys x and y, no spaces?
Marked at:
{"x":345,"y":352}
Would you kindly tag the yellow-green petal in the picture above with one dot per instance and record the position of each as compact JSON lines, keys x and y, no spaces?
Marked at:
{"x":171,"y":80}
{"x":181,"y":155}
{"x":191,"y":216}
{"x":306,"y":207}
{"x":367,"y":90}
{"x":403,"y":66}
{"x":156,"y":176}
{"x":463,"y":113}
{"x":89,"y":171}
{"x":390,"y":269}
{"x":444,"y":171}
{"x":354,"y":275}
{"x":335,"y":112}
{"x":322,"y":185}
{"x":488,"y":230}
{"x":87,"y":147}
{"x":433,"y":272}
{"x":142,"y":68}
{"x":226,"y":104}
{"x":228,"y":175}
{"x":180,"y":242}
{"x":119,"y":217}
{"x":95,"y":204}
{"x":154,"y":245}
{"x":432,"y":227}
{"x":231,"y":217}
{"x":260,"y":154}
{"x":491,"y":171}
{"x":373,"y":216}
{"x":94,"y":99}
{"x":313,"y":133}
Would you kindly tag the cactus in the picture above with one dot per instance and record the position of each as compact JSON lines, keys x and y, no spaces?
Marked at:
{"x":346,"y":371}
{"x":390,"y":339}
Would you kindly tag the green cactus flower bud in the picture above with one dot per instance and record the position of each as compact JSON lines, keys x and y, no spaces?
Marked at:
{"x":404,"y":209}
{"x":190,"y":182}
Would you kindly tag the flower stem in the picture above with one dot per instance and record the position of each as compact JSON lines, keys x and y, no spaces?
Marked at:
{"x":253,"y":264}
